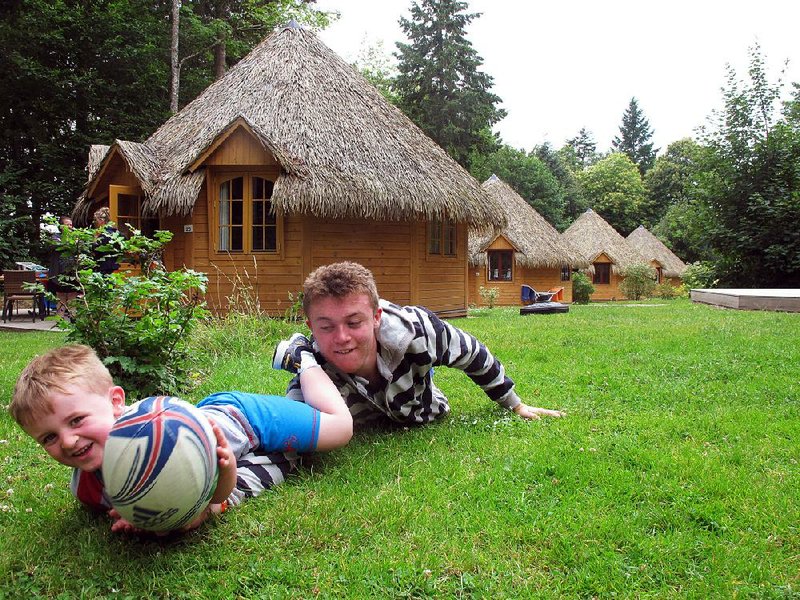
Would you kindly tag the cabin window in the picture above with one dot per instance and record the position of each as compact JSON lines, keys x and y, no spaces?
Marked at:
{"x":659,"y":275}
{"x":246,"y":216}
{"x":602,"y":273}
{"x":442,"y":237}
{"x":566,"y":272}
{"x":125,"y":208}
{"x":500,"y":265}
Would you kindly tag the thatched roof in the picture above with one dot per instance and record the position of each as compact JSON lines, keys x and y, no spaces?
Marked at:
{"x":538,"y":244}
{"x":593,"y":236}
{"x":344,"y":151}
{"x":653,"y":248}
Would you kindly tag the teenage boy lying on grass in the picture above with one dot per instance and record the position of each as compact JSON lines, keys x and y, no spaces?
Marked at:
{"x":66,"y":400}
{"x":381,"y":356}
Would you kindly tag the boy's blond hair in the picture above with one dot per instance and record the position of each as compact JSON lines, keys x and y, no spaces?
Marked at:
{"x":339,"y":280}
{"x":56,"y":371}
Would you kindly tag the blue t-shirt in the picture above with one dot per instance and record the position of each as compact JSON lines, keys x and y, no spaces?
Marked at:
{"x":278,"y":423}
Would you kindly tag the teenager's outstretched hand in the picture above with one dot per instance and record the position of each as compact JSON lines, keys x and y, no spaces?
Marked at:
{"x":534,"y":412}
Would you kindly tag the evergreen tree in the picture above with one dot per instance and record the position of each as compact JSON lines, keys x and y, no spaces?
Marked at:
{"x":583,"y":148}
{"x":634,"y":138}
{"x":528,"y":176}
{"x":573,"y":202}
{"x":440,"y":86}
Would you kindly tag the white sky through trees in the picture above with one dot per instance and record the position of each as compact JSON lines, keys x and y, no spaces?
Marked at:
{"x":560,"y":66}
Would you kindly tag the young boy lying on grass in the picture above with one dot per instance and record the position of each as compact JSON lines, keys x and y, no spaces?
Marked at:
{"x":66,"y":400}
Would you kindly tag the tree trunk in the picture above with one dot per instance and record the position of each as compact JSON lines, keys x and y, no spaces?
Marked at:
{"x":220,"y":56}
{"x":174,"y":64}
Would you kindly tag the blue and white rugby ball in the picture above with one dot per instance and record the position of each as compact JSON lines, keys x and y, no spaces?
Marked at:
{"x":160,"y":463}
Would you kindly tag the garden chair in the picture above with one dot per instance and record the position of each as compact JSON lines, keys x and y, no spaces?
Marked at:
{"x":531,"y":296}
{"x":14,"y":292}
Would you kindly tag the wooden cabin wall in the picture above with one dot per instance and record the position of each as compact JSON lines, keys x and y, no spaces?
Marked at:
{"x":607,"y":291}
{"x":540,"y":279}
{"x":384,"y":247}
{"x":441,"y":280}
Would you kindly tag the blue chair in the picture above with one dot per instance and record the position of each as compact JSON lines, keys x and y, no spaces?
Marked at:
{"x":531,"y":296}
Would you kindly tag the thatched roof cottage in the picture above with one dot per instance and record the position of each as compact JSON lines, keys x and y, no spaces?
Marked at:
{"x":527,"y":251}
{"x":608,"y":253}
{"x":661,"y":258}
{"x":290,"y":161}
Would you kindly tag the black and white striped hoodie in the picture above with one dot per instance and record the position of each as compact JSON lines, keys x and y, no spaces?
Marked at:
{"x":411,"y":341}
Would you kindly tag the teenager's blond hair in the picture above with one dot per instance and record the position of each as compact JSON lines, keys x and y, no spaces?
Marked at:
{"x":59,"y":370}
{"x":339,"y":280}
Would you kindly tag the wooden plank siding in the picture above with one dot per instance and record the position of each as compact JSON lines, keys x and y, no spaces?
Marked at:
{"x":540,"y":279}
{"x":610,"y":290}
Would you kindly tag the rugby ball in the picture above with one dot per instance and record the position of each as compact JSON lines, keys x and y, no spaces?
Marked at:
{"x":160,"y":463}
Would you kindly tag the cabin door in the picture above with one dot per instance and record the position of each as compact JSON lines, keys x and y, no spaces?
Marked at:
{"x":125,"y":205}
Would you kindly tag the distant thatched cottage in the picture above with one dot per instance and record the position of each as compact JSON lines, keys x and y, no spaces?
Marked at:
{"x":667,"y":265}
{"x":606,"y":250}
{"x":290,"y":161}
{"x":528,"y":251}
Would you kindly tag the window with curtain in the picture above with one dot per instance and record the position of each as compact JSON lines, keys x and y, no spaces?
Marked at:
{"x":245,"y":215}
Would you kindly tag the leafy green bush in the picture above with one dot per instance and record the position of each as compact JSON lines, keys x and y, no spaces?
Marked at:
{"x":639,"y":282}
{"x":489,"y":295}
{"x":136,"y":320}
{"x":582,"y":288}
{"x":700,"y":275}
{"x":666,"y":290}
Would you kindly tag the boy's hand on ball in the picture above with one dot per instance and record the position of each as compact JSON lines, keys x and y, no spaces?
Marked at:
{"x":224,"y":452}
{"x":226,"y":479}
{"x":120,"y":524}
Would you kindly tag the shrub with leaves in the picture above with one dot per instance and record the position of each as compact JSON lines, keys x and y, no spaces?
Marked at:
{"x":582,"y":288}
{"x":666,"y":291}
{"x":639,"y":282}
{"x":489,"y":295}
{"x":138,"y":318}
{"x":700,"y":276}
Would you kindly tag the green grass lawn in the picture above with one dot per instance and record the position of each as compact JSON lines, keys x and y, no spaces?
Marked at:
{"x":675,"y":474}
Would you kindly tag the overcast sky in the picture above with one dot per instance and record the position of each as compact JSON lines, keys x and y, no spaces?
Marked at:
{"x":562,"y":65}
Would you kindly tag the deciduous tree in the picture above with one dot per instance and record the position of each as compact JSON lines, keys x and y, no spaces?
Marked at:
{"x":614,"y":190}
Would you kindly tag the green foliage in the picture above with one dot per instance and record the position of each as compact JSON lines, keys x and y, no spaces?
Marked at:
{"x":753,"y":183}
{"x":639,"y":282}
{"x":582,"y":288}
{"x":14,"y":230}
{"x":667,"y":291}
{"x":440,"y":85}
{"x":574,"y":204}
{"x":377,"y":68}
{"x":634,"y":138}
{"x":489,"y":295}
{"x":137,"y":323}
{"x":700,"y":275}
{"x":674,"y":179}
{"x":528,"y":176}
{"x":581,"y":151}
{"x":614,"y":189}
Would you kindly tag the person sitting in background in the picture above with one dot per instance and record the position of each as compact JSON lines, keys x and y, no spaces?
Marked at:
{"x":104,"y":253}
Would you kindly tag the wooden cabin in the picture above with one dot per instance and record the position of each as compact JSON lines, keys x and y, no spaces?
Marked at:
{"x":669,"y":268}
{"x":527,"y":251}
{"x":606,"y":251}
{"x":290,"y":161}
